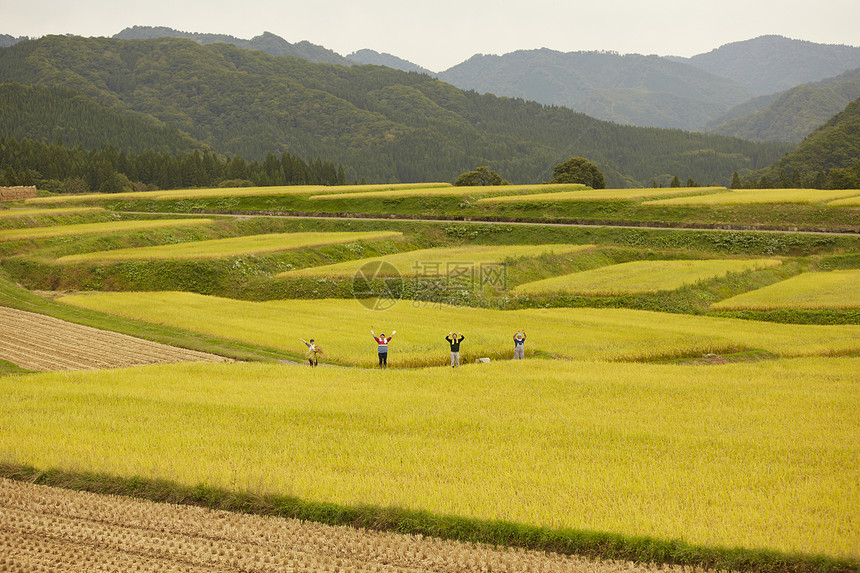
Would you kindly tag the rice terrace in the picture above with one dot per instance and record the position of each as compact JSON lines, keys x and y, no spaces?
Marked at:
{"x":687,"y":398}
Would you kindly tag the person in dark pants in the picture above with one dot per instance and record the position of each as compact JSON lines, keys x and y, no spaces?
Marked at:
{"x":520,"y":345}
{"x":454,"y":340}
{"x":314,"y":351}
{"x":382,"y":346}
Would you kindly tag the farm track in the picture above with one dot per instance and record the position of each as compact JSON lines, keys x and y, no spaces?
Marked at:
{"x":49,"y":529}
{"x":39,"y":342}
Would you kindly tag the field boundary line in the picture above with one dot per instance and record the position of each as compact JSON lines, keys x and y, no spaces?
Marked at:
{"x":592,"y":544}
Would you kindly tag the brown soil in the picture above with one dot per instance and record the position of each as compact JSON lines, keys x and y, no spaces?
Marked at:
{"x":38,"y":342}
{"x":49,"y":529}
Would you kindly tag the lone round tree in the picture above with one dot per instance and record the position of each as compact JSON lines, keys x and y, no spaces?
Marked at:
{"x":579,"y":170}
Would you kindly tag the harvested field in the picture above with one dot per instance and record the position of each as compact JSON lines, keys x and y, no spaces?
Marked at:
{"x":38,"y":342}
{"x":49,"y":529}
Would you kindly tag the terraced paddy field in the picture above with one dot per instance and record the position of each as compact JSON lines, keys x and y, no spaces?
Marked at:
{"x":700,"y":454}
{"x":836,"y":290}
{"x":452,"y":191}
{"x":642,"y":276}
{"x":167,"y":195}
{"x":234,"y":246}
{"x":761,"y":196}
{"x":49,"y":529}
{"x":343,"y":328}
{"x":10,"y":213}
{"x":434,"y":262}
{"x":603,"y":194}
{"x":96,"y":228}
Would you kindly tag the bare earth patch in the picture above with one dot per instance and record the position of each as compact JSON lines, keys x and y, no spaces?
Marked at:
{"x":38,"y":342}
{"x":50,"y":529}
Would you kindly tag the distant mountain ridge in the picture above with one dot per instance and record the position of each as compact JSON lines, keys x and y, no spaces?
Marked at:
{"x":790,"y":115}
{"x":379,"y":123}
{"x":375,"y":58}
{"x":770,"y":64}
{"x":266,"y":42}
{"x":630,"y":89}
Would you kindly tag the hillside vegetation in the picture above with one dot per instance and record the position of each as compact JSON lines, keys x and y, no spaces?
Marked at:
{"x":791,"y":115}
{"x":828,"y":158}
{"x":381,"y":124}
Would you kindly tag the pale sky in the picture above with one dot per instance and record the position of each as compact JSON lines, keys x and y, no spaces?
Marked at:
{"x":442,"y":33}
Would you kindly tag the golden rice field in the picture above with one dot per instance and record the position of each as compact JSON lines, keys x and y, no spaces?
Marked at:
{"x":847,"y":202}
{"x":835,"y":289}
{"x":600,"y":194}
{"x":642,"y":276}
{"x":342,"y":327}
{"x":434,"y":262}
{"x":760,"y":196}
{"x":232,"y":192}
{"x":96,"y":228}
{"x":8,"y":213}
{"x":451,"y":191}
{"x":753,"y":455}
{"x":50,"y":529}
{"x":234,"y":246}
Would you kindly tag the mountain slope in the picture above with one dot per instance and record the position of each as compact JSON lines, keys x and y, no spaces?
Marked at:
{"x":55,"y":114}
{"x":793,"y":114}
{"x":266,"y":42}
{"x":770,"y":64}
{"x":390,"y":125}
{"x":375,"y":58}
{"x":630,"y":89}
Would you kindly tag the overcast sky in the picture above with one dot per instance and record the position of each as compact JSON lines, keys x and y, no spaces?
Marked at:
{"x":442,"y":33}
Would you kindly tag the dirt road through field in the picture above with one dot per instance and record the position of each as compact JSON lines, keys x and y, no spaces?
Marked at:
{"x":49,"y":529}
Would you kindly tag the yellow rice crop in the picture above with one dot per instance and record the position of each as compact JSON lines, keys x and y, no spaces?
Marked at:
{"x":836,"y":289}
{"x":434,"y":262}
{"x":600,"y":194}
{"x":642,"y":276}
{"x":847,"y":202}
{"x":342,"y":327}
{"x":4,"y":213}
{"x":95,"y":228}
{"x":760,"y":196}
{"x":755,"y":455}
{"x":234,"y":246}
{"x":232,"y":192}
{"x":452,"y":191}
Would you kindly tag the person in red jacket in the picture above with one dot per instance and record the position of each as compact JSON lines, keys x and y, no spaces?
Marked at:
{"x":382,"y":346}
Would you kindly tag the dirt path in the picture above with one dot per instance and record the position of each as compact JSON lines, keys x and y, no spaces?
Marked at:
{"x":38,"y":342}
{"x":49,"y":529}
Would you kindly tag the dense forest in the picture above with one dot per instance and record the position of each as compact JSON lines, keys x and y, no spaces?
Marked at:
{"x":60,"y":169}
{"x":829,"y":157}
{"x":380,"y":124}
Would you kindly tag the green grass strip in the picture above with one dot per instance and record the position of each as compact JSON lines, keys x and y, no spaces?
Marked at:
{"x":592,"y":544}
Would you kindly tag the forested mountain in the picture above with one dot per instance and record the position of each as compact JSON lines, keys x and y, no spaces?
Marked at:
{"x":375,"y":58}
{"x":629,"y":89}
{"x":6,"y":40}
{"x":266,"y":42}
{"x":791,"y":115}
{"x":829,"y":157}
{"x":57,"y":114}
{"x":379,"y":123}
{"x":770,"y":64}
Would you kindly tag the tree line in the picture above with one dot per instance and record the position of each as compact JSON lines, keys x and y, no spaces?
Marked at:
{"x":60,"y":169}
